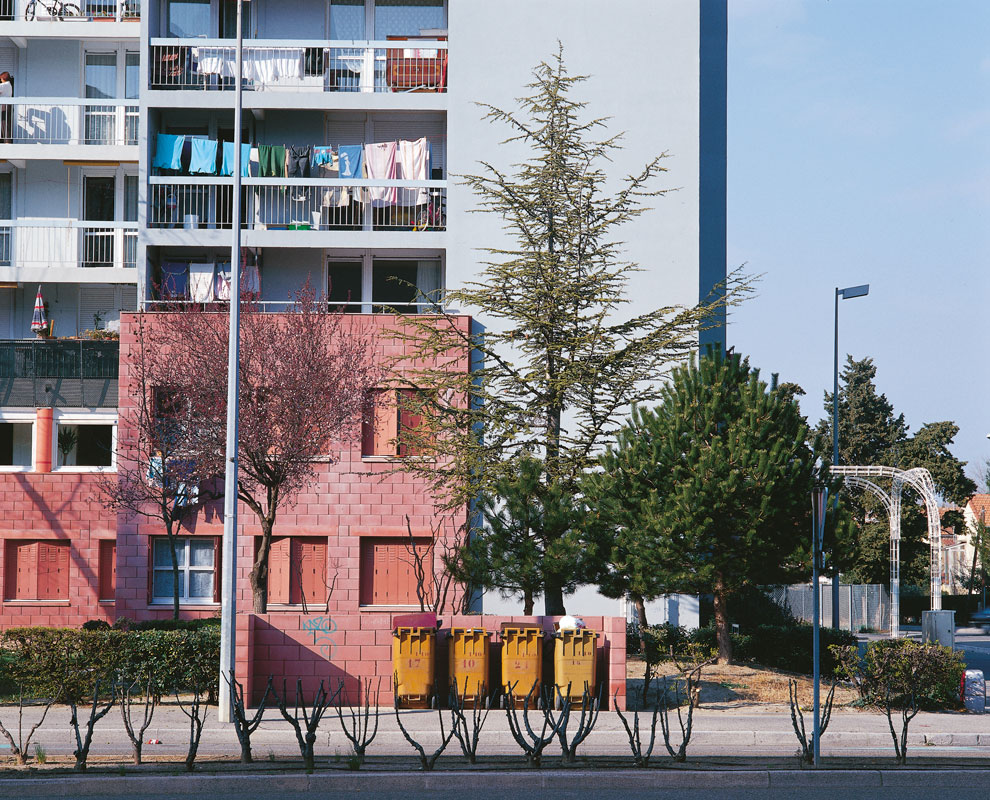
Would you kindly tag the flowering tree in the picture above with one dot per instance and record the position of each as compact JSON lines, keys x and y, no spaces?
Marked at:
{"x":168,"y":459}
{"x":304,"y":377}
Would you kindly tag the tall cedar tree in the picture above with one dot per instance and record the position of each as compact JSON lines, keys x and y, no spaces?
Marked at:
{"x":870,"y":433}
{"x":167,"y":467}
{"x":304,"y":378}
{"x":710,"y":491}
{"x":559,"y":366}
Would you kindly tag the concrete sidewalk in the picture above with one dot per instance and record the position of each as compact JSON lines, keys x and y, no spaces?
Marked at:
{"x":717,"y":733}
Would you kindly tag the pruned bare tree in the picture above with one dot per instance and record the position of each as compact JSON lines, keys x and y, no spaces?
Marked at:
{"x":358,"y":731}
{"x":427,"y":762}
{"x":797,"y":719}
{"x":469,"y":734}
{"x":312,"y":714}
{"x":150,"y":700}
{"x":99,"y":708}
{"x":641,"y":754}
{"x":244,"y":726}
{"x":591,"y":704}
{"x":196,"y":710}
{"x":19,"y":747}
{"x":532,"y":743}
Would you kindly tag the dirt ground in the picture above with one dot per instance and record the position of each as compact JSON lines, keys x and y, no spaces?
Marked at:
{"x":738,"y":686}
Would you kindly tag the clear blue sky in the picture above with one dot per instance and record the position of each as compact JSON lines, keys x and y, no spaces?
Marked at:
{"x":859,"y":152}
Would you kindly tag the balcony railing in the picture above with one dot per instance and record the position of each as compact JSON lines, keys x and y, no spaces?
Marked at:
{"x":313,"y":66}
{"x":59,"y":372}
{"x":67,"y":243}
{"x":299,"y":204}
{"x":46,"y":11}
{"x":69,"y":121}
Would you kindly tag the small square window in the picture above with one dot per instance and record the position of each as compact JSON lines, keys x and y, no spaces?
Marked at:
{"x":16,"y":444}
{"x":85,"y":445}
{"x":197,"y":560}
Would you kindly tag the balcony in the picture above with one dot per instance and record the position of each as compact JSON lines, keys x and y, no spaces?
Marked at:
{"x":306,"y":70}
{"x":110,"y":19}
{"x":56,"y":128}
{"x":42,"y":250}
{"x":62,"y":373}
{"x":299,"y":212}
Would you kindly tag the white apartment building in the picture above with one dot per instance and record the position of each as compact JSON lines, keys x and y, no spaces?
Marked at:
{"x":113,"y":191}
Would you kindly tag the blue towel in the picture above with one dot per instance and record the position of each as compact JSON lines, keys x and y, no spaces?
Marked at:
{"x":227,"y":168}
{"x":175,"y":279}
{"x":168,"y":151}
{"x":322,"y":155}
{"x":351,"y":160}
{"x":203,"y":160}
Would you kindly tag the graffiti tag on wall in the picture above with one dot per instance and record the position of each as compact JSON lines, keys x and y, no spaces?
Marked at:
{"x":322,"y":629}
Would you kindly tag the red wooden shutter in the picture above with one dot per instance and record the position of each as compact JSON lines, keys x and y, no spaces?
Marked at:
{"x":409,"y":419}
{"x":27,"y":571}
{"x":53,"y":571}
{"x":12,"y":555}
{"x":279,"y":570}
{"x":309,"y":571}
{"x":108,"y":569}
{"x":378,"y":429}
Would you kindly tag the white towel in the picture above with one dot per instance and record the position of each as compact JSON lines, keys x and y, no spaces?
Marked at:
{"x":413,"y":158}
{"x":201,"y":283}
{"x":379,"y":162}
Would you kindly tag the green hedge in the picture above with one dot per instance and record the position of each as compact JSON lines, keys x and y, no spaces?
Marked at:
{"x":46,"y":661}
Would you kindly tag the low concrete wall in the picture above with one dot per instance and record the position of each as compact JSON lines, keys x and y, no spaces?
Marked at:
{"x":354,"y":648}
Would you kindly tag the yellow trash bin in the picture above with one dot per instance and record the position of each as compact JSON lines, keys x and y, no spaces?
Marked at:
{"x":412,"y":661}
{"x":468,"y":653}
{"x":522,"y":662}
{"x":575,"y":659}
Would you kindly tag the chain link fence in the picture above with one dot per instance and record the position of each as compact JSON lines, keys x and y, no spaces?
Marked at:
{"x":860,"y":605}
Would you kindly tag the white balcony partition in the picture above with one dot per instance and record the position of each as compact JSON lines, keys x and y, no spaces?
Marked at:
{"x":89,"y":10}
{"x":298,"y":66}
{"x":54,"y":243}
{"x":71,"y":121}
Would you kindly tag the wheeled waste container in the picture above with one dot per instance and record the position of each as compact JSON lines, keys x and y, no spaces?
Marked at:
{"x":413,"y":652}
{"x":468,"y":659}
{"x":522,"y":662}
{"x":575,"y":659}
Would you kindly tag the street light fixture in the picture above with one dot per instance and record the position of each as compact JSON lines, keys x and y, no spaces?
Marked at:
{"x":846,"y":294}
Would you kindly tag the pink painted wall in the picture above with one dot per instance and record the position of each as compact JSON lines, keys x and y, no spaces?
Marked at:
{"x":64,"y":507}
{"x":357,"y":647}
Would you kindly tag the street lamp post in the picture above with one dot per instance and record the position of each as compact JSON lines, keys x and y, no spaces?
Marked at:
{"x":228,"y":573}
{"x":846,"y":294}
{"x":819,"y":502}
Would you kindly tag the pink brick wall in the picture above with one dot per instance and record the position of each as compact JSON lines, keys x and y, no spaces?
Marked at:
{"x":348,"y":499}
{"x":67,"y":507}
{"x":354,"y":648}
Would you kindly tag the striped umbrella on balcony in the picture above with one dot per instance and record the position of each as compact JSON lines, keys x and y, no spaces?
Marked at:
{"x":38,"y":321}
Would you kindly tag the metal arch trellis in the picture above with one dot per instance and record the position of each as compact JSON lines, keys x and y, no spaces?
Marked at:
{"x":921,"y":480}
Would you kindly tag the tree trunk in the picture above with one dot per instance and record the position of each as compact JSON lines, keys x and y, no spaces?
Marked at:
{"x":553,"y":599}
{"x":641,"y":616}
{"x":527,"y":604}
{"x":259,"y":572}
{"x":722,"y":637}
{"x":170,"y":530}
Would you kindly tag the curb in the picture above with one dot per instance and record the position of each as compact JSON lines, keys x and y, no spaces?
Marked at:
{"x":655,"y":779}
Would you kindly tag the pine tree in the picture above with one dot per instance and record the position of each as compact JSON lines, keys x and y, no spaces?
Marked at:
{"x":708,"y":492}
{"x":558,"y":366}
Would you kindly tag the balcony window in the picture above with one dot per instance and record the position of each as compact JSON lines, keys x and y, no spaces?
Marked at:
{"x":344,"y":285}
{"x":402,"y":286}
{"x":85,"y":446}
{"x":188,"y":19}
{"x":197,"y":557}
{"x":16,"y":445}
{"x":408,"y":17}
{"x":347,"y":20}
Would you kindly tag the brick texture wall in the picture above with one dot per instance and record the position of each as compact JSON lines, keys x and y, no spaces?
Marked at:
{"x":355,"y":648}
{"x":64,"y":507}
